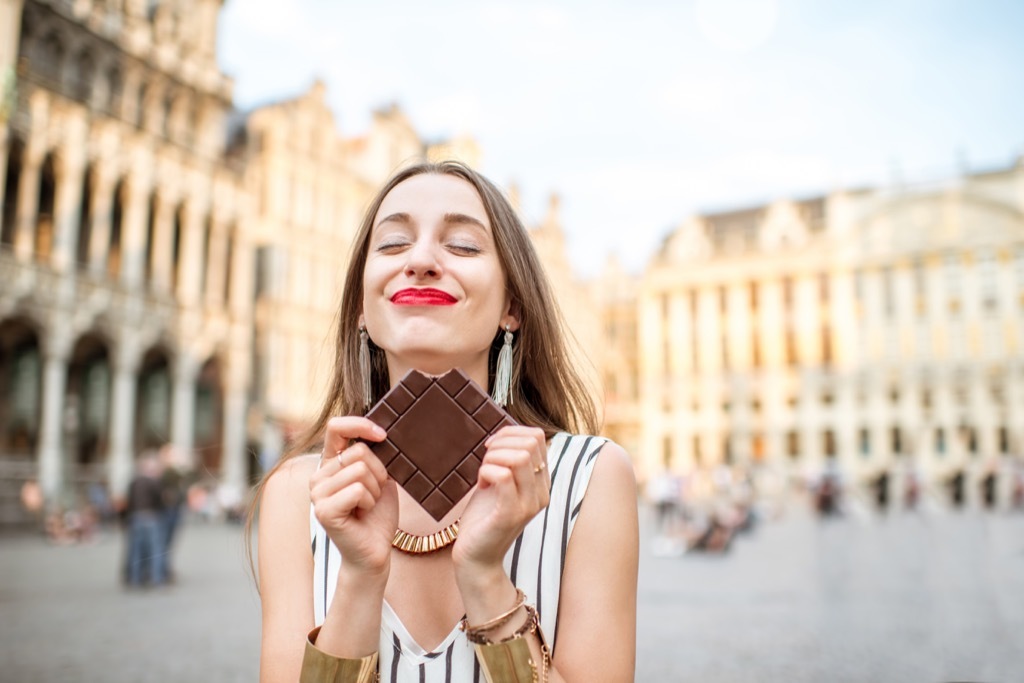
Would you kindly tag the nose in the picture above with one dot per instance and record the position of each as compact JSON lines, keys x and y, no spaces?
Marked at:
{"x":422,"y":261}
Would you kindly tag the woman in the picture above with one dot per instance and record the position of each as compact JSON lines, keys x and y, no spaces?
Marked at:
{"x":541,"y":578}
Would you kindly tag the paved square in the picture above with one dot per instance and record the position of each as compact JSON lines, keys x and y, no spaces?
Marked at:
{"x":904,"y":598}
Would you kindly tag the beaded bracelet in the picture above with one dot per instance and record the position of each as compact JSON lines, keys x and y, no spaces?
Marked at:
{"x":531,"y":625}
{"x":500,"y":620}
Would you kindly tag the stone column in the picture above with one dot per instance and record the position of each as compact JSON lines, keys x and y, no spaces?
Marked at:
{"x":217,"y":266}
{"x":242,"y":274}
{"x":122,"y":420}
{"x":28,"y":204}
{"x":133,"y":235}
{"x":190,"y":255}
{"x":10,"y":25}
{"x":183,"y":406}
{"x":67,"y":205}
{"x":52,"y":461}
{"x":162,"y":250}
{"x":102,"y":208}
{"x":233,"y":465}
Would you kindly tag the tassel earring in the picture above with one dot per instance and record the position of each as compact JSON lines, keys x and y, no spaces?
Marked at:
{"x":364,"y":367}
{"x":502,"y":394}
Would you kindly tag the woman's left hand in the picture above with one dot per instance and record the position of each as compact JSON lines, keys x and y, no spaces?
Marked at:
{"x":512,"y":487}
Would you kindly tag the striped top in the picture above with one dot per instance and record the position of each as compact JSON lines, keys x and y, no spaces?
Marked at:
{"x":534,"y":563}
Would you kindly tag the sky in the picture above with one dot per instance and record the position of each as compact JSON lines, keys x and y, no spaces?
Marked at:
{"x":640,"y":113}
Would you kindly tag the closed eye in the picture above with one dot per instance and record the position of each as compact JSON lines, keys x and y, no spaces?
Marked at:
{"x":392,"y":245}
{"x":465,"y":248}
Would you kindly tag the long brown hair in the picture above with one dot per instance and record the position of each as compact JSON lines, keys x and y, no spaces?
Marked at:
{"x":547,"y":391}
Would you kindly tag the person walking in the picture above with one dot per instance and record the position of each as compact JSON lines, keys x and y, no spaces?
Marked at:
{"x":144,"y":511}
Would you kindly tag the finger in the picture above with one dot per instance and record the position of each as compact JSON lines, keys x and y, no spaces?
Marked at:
{"x":519,"y":430}
{"x":526,"y":442}
{"x":343,"y":503}
{"x":359,"y":472}
{"x":360,"y":452}
{"x":518,"y":436}
{"x":341,"y":430}
{"x":519,"y":464}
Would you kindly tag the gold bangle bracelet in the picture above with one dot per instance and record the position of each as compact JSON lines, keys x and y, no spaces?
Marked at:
{"x":509,"y":661}
{"x":320,"y":667}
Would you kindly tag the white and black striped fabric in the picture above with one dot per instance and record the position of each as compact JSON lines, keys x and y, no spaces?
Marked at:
{"x":534,"y":563}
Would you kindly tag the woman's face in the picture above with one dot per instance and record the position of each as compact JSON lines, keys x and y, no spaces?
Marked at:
{"x":433,"y":288}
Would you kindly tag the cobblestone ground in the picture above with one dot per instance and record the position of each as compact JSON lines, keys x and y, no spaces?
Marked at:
{"x":938,"y":597}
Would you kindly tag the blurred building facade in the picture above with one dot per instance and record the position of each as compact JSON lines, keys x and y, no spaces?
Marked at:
{"x":878,"y":328}
{"x":169,"y":266}
{"x":170,"y":269}
{"x":123,"y":263}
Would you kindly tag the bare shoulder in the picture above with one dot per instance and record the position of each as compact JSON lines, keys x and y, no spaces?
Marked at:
{"x":290,"y":481}
{"x":614,"y":460}
{"x":613,"y":473}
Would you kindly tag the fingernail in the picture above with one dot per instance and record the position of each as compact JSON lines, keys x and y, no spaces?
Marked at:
{"x":379,"y":431}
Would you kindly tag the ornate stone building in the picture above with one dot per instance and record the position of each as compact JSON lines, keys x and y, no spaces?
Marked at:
{"x":169,"y":267}
{"x":124,"y":269}
{"x":882,"y":327}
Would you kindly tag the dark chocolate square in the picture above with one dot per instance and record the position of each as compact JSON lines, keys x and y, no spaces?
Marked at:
{"x":436,"y":428}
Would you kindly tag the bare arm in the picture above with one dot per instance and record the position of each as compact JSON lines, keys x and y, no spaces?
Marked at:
{"x":358,"y":507}
{"x":286,"y":570}
{"x":597,"y":606}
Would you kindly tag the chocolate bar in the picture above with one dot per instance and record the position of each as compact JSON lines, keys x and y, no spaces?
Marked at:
{"x":436,"y":431}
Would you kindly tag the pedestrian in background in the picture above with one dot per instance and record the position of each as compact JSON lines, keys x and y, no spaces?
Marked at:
{"x":172,"y":490}
{"x":144,"y":511}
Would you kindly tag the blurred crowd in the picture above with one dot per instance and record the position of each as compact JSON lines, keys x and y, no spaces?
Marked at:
{"x":165,"y":487}
{"x":704,"y":510}
{"x":997,"y":485}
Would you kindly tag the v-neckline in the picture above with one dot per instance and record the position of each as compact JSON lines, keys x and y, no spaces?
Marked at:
{"x":415,"y":650}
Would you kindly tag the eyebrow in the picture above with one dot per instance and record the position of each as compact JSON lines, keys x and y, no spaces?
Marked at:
{"x":450,"y":218}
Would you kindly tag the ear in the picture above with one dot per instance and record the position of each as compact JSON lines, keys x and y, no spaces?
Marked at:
{"x":512,"y":315}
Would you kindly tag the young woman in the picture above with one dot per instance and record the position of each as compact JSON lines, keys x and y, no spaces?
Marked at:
{"x":540,"y":583}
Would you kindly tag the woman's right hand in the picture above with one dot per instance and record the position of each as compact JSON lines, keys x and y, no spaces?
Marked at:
{"x":353,"y":497}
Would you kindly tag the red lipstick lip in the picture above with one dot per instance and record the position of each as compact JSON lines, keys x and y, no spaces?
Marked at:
{"x":422,"y":297}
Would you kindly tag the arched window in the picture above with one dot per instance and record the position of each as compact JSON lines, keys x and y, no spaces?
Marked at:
{"x":47,"y":196}
{"x":12,"y":181}
{"x":204,"y":263}
{"x":116,"y":223}
{"x":85,"y":217}
{"x":140,"y":105}
{"x":179,"y":222}
{"x":150,"y":236}
{"x":49,"y":56}
{"x":115,"y":90}
{"x":81,"y":76}
{"x":229,"y":256}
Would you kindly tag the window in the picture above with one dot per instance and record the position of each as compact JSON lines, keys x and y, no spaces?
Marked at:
{"x":864,"y":442}
{"x":830,"y":443}
{"x":952,"y":273}
{"x":920,"y":287}
{"x":896,"y":440}
{"x":694,"y":337}
{"x":793,"y":444}
{"x":988,"y":281}
{"x":888,"y":295}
